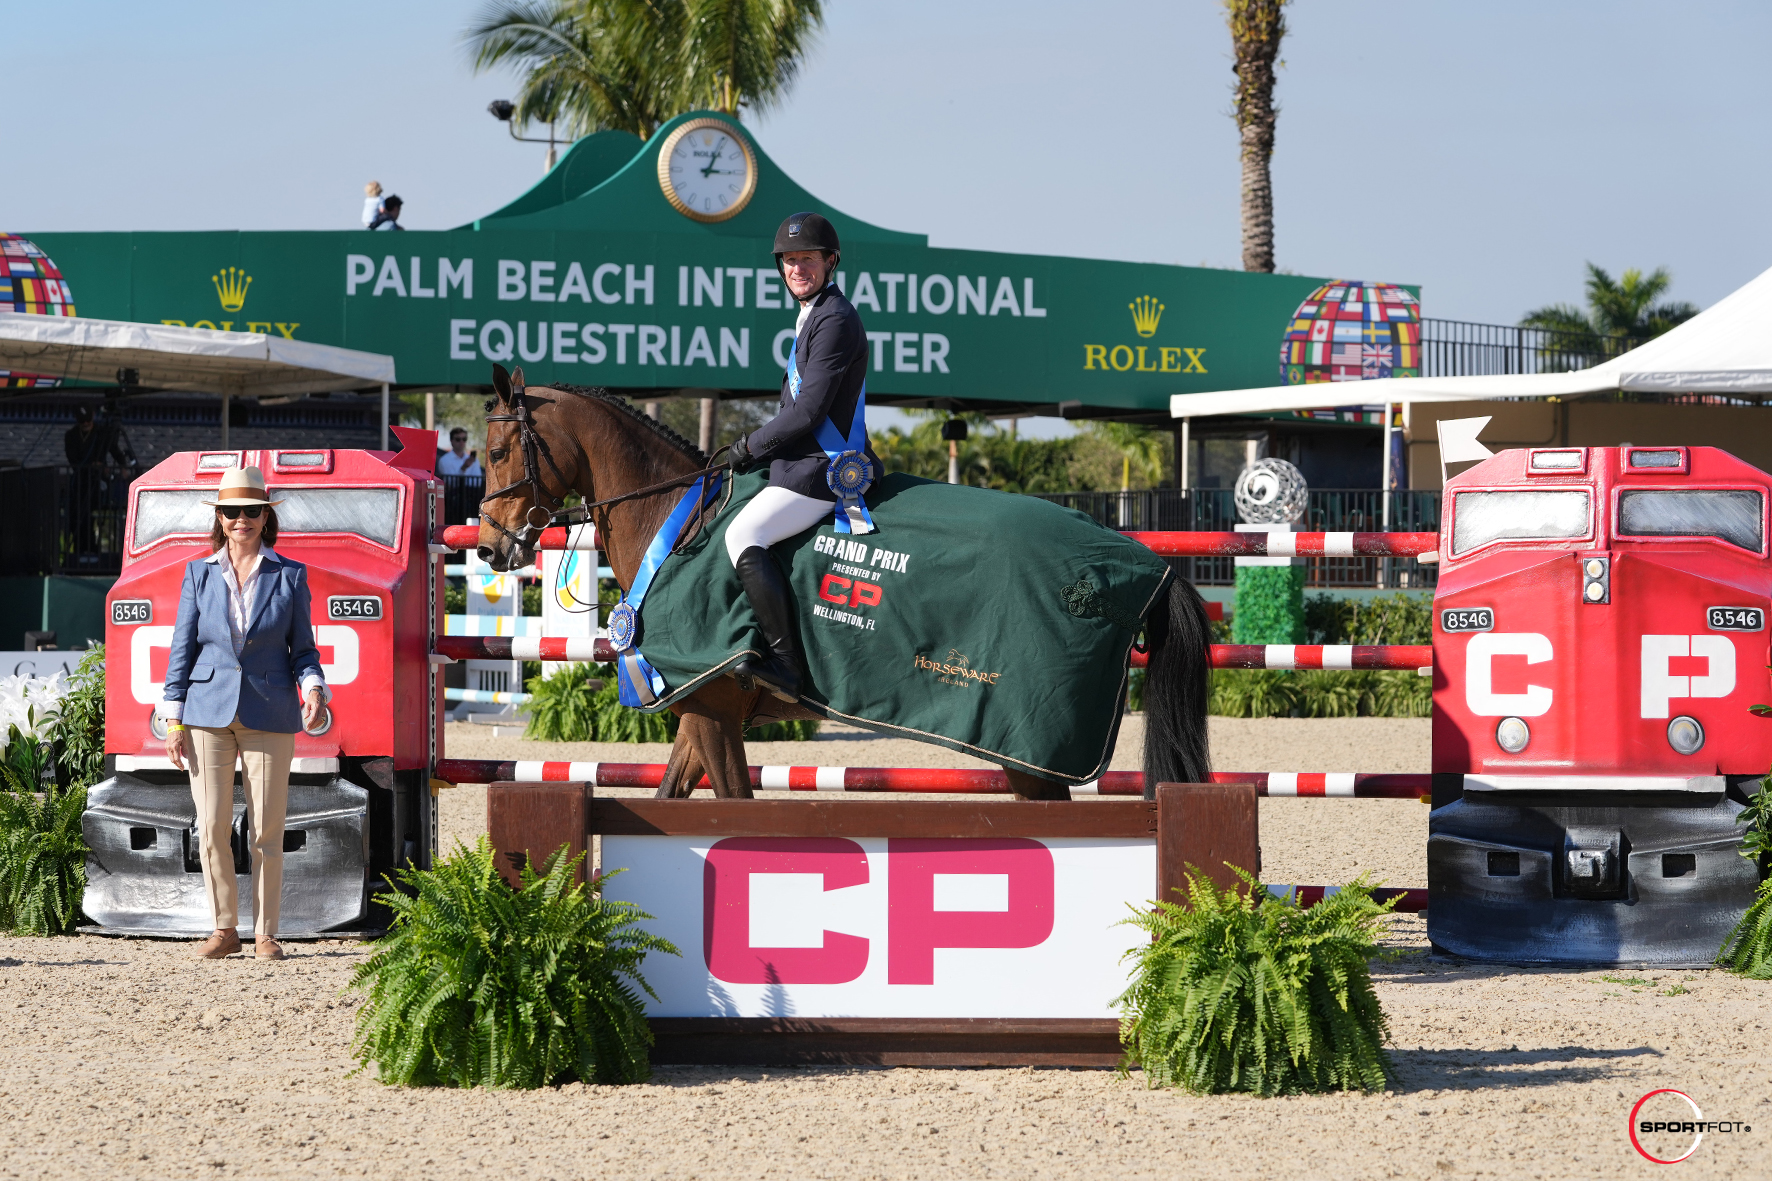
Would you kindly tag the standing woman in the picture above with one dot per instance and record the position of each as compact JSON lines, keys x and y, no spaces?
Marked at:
{"x":242,"y":642}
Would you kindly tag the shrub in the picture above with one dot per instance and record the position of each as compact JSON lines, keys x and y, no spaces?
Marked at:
{"x":1398,"y":618}
{"x":477,"y":984}
{"x":1274,"y":693}
{"x":42,"y":851}
{"x":1748,"y":949}
{"x":565,"y":708}
{"x":1232,"y":994}
{"x":79,"y":730}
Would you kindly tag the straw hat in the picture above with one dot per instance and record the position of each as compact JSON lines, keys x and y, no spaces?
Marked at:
{"x":241,"y":486}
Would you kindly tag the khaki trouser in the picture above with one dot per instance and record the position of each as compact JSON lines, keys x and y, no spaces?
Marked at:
{"x":264,"y":760}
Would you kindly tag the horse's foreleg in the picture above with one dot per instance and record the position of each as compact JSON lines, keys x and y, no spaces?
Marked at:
{"x":684,"y":770}
{"x":1032,"y":787}
{"x":713,"y":717}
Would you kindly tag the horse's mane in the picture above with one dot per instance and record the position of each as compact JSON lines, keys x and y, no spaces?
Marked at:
{"x":634,"y":412}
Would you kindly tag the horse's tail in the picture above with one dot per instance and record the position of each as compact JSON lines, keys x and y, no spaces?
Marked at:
{"x":1177,"y":683}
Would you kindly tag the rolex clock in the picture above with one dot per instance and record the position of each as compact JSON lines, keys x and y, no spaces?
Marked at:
{"x":707,"y":170}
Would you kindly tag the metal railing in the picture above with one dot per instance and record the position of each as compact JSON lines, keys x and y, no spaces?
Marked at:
{"x":461,"y":498}
{"x":1458,"y":348}
{"x":1355,"y":510}
{"x":63,"y":520}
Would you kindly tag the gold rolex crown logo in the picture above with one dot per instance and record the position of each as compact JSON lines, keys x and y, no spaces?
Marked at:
{"x":231,"y":287}
{"x":1146,"y":311}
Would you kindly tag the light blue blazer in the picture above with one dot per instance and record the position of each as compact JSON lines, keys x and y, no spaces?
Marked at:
{"x":260,"y":685}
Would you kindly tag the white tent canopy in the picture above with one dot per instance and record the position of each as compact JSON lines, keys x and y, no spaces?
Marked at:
{"x":167,"y":357}
{"x":1726,"y":349}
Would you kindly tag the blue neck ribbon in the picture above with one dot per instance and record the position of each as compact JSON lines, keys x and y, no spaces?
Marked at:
{"x":637,"y":683}
{"x":851,"y":512}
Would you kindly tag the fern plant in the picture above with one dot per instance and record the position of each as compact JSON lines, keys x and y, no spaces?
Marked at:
{"x":42,"y":850}
{"x":480,"y":985}
{"x":1748,"y":949}
{"x":1240,"y":991}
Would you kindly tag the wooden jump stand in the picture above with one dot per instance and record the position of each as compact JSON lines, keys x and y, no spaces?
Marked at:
{"x":1200,"y":824}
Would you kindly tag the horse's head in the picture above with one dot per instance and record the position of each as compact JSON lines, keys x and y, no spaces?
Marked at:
{"x":524,"y":470}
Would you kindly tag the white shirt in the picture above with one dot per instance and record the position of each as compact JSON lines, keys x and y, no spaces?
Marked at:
{"x":241,"y":596}
{"x":371,"y":206}
{"x":451,"y":464}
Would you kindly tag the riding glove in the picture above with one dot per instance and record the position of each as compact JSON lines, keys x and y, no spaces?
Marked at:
{"x":741,"y":457}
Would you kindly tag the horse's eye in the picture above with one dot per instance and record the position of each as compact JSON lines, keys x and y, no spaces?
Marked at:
{"x":497,"y":456}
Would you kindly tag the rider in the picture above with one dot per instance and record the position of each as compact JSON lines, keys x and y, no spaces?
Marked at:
{"x":816,"y":445}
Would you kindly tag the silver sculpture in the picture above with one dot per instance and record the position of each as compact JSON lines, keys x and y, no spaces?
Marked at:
{"x":1271,"y":492}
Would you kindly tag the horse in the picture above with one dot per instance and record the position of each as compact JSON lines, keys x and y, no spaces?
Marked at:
{"x":545,"y":442}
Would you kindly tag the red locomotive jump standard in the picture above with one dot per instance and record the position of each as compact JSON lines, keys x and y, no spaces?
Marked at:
{"x":1599,"y":636}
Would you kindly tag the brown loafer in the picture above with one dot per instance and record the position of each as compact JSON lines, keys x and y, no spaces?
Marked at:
{"x":219,"y":946}
{"x":267,"y":948}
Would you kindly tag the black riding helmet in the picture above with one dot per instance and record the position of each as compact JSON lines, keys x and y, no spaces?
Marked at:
{"x":807,"y":231}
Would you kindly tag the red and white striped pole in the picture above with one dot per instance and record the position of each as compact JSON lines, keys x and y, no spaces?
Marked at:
{"x":1168,"y":544}
{"x":926,"y":780}
{"x":1408,"y":657}
{"x":1287,"y":545}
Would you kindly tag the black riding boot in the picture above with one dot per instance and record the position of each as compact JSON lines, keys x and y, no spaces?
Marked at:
{"x":767,"y":590}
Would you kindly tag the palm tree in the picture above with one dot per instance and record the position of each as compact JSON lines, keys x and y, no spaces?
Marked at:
{"x":1257,"y":27}
{"x":1620,"y":314}
{"x":634,"y":64}
{"x":1623,"y":307}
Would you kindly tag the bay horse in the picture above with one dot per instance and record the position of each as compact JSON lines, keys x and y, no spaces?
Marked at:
{"x":543,"y":442}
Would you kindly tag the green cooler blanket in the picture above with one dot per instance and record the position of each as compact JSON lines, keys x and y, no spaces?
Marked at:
{"x":987,"y":622}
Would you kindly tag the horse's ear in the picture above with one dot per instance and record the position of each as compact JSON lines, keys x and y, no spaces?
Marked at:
{"x":517,"y":381}
{"x":501,"y":382}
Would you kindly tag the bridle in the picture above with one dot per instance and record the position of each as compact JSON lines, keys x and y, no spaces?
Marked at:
{"x":535,"y":448}
{"x":530,"y":441}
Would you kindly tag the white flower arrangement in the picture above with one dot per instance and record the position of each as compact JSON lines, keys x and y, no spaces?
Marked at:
{"x":33,"y":704}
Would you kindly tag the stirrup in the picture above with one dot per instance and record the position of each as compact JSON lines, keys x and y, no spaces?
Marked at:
{"x":746,"y":674}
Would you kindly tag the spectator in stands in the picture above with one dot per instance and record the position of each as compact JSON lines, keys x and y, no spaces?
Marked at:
{"x":89,"y":446}
{"x":88,"y":442}
{"x":389,"y":217}
{"x":458,"y":460}
{"x":371,"y":202}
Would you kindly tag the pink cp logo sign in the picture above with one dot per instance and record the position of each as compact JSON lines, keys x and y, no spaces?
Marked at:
{"x":917,"y":922}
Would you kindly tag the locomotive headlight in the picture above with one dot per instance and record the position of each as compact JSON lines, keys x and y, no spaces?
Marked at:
{"x":1512,"y":735}
{"x":1595,"y":592}
{"x":156,"y":724}
{"x":1685,"y":735}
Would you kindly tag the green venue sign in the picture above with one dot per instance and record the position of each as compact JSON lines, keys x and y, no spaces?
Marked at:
{"x":647,"y":266}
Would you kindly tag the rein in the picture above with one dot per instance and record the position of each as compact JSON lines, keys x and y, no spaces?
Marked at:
{"x":534,"y":448}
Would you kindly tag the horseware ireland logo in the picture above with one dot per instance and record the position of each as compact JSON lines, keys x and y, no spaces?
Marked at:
{"x":955,"y":670}
{"x":231,"y":287}
{"x":1146,"y":311}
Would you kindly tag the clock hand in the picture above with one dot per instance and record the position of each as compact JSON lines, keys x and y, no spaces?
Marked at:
{"x":715,"y":159}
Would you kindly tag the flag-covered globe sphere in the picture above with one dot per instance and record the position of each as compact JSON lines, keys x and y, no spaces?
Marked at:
{"x":30,"y":283}
{"x":1350,"y":331}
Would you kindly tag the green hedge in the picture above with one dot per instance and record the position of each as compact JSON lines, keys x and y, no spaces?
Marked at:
{"x":1270,"y":605}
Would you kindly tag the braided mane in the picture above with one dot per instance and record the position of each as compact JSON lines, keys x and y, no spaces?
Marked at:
{"x":634,"y":412}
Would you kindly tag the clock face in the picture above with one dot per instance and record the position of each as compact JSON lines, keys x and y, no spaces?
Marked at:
{"x":707,"y":170}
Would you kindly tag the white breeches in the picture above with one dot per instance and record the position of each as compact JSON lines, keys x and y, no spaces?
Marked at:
{"x":774,"y":514}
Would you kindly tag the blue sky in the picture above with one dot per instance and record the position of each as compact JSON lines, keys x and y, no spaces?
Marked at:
{"x":1482,"y":151}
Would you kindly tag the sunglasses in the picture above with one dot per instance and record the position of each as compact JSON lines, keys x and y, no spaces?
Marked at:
{"x":251,"y":510}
